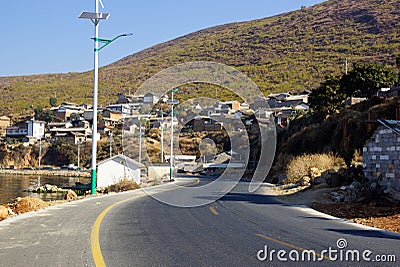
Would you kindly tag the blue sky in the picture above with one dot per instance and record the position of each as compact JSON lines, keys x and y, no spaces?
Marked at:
{"x":46,"y":36}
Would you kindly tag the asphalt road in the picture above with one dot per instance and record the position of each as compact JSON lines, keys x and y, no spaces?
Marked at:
{"x":136,"y":230}
{"x":231,"y":232}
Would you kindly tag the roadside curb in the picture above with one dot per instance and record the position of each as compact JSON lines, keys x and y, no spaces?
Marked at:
{"x":312,"y":211}
{"x":25,"y":215}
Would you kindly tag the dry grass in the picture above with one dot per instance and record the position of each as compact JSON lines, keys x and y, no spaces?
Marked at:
{"x":300,"y":166}
{"x":123,"y":185}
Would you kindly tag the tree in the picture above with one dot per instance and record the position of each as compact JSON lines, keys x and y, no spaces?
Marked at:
{"x":53,"y":101}
{"x":328,"y":96}
{"x":398,"y":61}
{"x":366,"y":79}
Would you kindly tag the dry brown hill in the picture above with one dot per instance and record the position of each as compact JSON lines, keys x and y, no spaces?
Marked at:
{"x":292,"y":51}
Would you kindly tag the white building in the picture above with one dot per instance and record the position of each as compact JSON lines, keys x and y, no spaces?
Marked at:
{"x":36,"y":129}
{"x":117,"y":168}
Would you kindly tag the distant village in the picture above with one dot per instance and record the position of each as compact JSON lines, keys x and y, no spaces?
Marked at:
{"x":72,"y":123}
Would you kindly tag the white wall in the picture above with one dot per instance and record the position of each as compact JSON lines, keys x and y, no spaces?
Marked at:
{"x":158,"y":172}
{"x":111,"y":172}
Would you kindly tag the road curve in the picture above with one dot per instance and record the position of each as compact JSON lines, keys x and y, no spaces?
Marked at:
{"x":137,"y":230}
{"x":59,"y":235}
{"x":236,"y":230}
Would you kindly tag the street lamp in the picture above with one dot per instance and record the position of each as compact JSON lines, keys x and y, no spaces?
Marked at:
{"x":95,"y":17}
{"x":40,"y":158}
{"x":162,"y":134}
{"x":140,"y":142}
{"x":111,"y":140}
{"x":79,"y":152}
{"x":106,"y":42}
{"x":172,"y":102}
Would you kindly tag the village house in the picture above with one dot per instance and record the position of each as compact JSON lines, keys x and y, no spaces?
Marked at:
{"x":205,"y":123}
{"x":127,"y":99}
{"x":4,"y":123}
{"x":109,"y":121}
{"x":126,"y":110}
{"x":117,"y":168}
{"x":36,"y":128}
{"x":31,"y":128}
{"x":64,"y":111}
{"x":381,"y":155}
{"x":282,"y":106}
{"x":150,"y":98}
{"x":71,"y":132}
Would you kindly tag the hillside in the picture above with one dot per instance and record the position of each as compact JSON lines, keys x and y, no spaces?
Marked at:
{"x":292,"y":51}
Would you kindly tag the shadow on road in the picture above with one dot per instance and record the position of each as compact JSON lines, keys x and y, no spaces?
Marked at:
{"x":365,"y":233}
{"x":252,"y":198}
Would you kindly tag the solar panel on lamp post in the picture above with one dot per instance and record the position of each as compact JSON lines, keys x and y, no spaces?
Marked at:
{"x":95,"y":17}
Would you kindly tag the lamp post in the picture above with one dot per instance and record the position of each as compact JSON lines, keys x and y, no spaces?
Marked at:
{"x":111,"y":140}
{"x":140,"y":143}
{"x":79,"y":154}
{"x":162,"y":135}
{"x":171,"y":161}
{"x":40,"y":152}
{"x":95,"y":18}
{"x":40,"y":158}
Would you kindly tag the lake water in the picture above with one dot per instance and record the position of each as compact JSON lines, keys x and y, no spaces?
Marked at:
{"x":12,"y":186}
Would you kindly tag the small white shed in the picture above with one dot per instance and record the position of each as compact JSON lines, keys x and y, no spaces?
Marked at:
{"x":116,"y":168}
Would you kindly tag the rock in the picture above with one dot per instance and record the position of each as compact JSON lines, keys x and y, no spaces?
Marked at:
{"x":27,"y":204}
{"x":287,"y":186}
{"x":319,"y":180}
{"x":327,"y":174}
{"x":305,"y":181}
{"x":10,"y":212}
{"x":337,"y":196}
{"x":335,"y":180}
{"x":3,"y":212}
{"x":350,"y":196}
{"x":391,"y":192}
{"x":314,"y":173}
{"x":48,"y":187}
{"x":70,"y":195}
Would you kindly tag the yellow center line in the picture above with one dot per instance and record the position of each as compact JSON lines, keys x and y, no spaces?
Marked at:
{"x":94,"y":235}
{"x":290,"y":245}
{"x":214,"y":210}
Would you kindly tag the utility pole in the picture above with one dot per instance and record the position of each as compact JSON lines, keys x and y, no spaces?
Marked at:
{"x":40,"y":157}
{"x":40,"y":152}
{"x":346,"y":66}
{"x":140,"y":143}
{"x":79,"y":154}
{"x":162,"y":135}
{"x":171,"y":159}
{"x":111,"y":139}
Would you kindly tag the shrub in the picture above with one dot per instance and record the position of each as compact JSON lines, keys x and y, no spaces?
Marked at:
{"x":123,"y":185}
{"x":300,"y":166}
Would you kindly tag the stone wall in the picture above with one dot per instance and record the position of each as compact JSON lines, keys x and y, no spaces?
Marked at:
{"x":381,"y":156}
